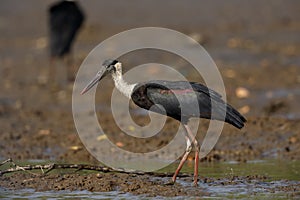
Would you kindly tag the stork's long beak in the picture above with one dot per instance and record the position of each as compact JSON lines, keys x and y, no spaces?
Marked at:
{"x":102,"y":73}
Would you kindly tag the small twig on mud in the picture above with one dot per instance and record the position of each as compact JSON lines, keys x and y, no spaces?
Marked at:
{"x":15,"y":168}
{"x":42,"y":170}
{"x":49,"y":169}
{"x":78,"y":167}
{"x":6,"y":161}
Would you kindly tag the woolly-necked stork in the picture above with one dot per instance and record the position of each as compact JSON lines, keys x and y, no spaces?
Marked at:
{"x":164,"y":97}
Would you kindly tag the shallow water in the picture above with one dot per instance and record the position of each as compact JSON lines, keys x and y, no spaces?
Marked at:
{"x":228,"y":180}
{"x":31,"y":194}
{"x":273,"y":169}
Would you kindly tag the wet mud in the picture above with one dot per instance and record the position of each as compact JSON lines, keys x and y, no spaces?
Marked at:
{"x":151,"y":186}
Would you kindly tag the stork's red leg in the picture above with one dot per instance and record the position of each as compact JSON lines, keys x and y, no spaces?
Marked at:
{"x":197,"y":148}
{"x":189,"y":137}
{"x":184,"y":158}
{"x":196,"y":168}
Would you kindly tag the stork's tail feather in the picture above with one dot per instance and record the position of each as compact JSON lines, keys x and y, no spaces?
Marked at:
{"x":234,"y":117}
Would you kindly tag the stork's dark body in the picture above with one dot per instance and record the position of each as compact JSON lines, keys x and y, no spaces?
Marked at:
{"x":65,"y":18}
{"x":164,"y":96}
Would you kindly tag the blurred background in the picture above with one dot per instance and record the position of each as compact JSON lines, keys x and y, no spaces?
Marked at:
{"x":255,"y":44}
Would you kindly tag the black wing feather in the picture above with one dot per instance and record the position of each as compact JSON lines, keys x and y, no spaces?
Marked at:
{"x":162,"y":93}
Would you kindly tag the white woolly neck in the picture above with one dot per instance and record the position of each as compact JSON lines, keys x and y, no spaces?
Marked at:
{"x":124,"y":87}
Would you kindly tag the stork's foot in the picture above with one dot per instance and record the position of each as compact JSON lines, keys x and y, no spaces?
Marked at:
{"x":174,"y":178}
{"x":171,"y":182}
{"x":195,"y":183}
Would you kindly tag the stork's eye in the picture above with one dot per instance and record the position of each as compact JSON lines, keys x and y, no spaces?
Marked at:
{"x":111,"y":68}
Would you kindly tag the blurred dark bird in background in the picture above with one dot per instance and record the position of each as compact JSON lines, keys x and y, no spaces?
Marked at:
{"x":64,"y":19}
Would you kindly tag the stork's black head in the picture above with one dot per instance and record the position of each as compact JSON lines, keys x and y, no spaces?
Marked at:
{"x":108,"y":66}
